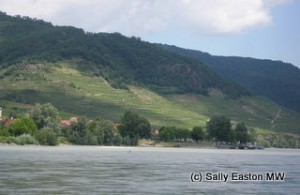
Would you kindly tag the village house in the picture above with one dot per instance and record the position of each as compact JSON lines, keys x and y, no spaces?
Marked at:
{"x":67,"y":123}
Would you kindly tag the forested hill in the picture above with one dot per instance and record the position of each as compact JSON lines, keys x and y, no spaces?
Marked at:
{"x":118,"y":59}
{"x":276,"y":80}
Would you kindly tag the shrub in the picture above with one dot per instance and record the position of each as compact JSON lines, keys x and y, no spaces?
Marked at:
{"x":22,"y":126}
{"x":4,"y":132}
{"x":117,"y":140}
{"x":6,"y":140}
{"x":90,"y":139}
{"x":44,"y":115}
{"x":72,"y":85}
{"x":25,"y":139}
{"x":47,"y":136}
{"x":126,"y":141}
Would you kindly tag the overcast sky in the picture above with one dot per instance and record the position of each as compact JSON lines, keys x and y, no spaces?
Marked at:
{"x":268,"y":29}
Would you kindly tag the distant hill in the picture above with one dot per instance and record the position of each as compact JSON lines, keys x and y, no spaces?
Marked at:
{"x":118,"y":59}
{"x":276,"y":80}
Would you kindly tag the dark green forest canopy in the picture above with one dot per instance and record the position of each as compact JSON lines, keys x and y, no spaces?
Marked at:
{"x":118,"y":59}
{"x":276,"y":80}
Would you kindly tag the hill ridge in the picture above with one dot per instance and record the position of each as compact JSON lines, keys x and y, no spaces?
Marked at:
{"x":276,"y":80}
{"x":118,"y":59}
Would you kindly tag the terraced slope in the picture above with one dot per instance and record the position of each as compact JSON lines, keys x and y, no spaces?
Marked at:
{"x":81,"y":94}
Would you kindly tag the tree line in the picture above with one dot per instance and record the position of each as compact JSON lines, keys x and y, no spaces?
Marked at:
{"x":42,"y":125}
{"x":218,"y":129}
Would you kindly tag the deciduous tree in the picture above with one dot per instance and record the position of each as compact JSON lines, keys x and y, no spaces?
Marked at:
{"x":197,"y":134}
{"x":219,"y":128}
{"x":242,"y":134}
{"x":45,"y":115}
{"x":134,"y":126}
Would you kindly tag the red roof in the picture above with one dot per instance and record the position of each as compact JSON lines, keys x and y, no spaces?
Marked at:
{"x":67,"y":123}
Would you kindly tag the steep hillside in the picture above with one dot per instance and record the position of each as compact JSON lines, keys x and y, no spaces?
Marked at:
{"x":103,"y":75}
{"x":118,"y":59}
{"x":77,"y":93}
{"x":276,"y":80}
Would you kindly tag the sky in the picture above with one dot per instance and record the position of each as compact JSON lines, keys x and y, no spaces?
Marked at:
{"x":265,"y":29}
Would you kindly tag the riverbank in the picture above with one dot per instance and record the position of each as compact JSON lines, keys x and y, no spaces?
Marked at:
{"x":141,"y":143}
{"x":152,"y":143}
{"x":133,"y":149}
{"x":29,"y":140}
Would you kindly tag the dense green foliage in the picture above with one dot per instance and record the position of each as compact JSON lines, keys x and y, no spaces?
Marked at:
{"x":46,"y":136}
{"x":242,"y":134}
{"x":197,"y":134}
{"x":94,"y":132}
{"x":279,"y":141}
{"x":174,"y":134}
{"x":45,"y":115}
{"x":25,"y":139}
{"x":81,"y":131}
{"x":219,"y":128}
{"x":118,"y":59}
{"x":274,"y":79}
{"x":134,"y":126}
{"x":21,"y":126}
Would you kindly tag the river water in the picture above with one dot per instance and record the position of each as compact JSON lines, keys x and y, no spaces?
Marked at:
{"x":138,"y":170}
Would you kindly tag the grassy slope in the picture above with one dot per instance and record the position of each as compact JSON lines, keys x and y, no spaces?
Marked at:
{"x":77,"y":94}
{"x":257,"y":112}
{"x":93,"y":97}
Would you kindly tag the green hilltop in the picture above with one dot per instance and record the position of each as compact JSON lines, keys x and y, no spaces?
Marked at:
{"x":116,"y":58}
{"x":103,"y":75}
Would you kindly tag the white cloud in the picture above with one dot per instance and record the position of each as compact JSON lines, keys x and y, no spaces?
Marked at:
{"x":225,"y":16}
{"x":137,"y":17}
